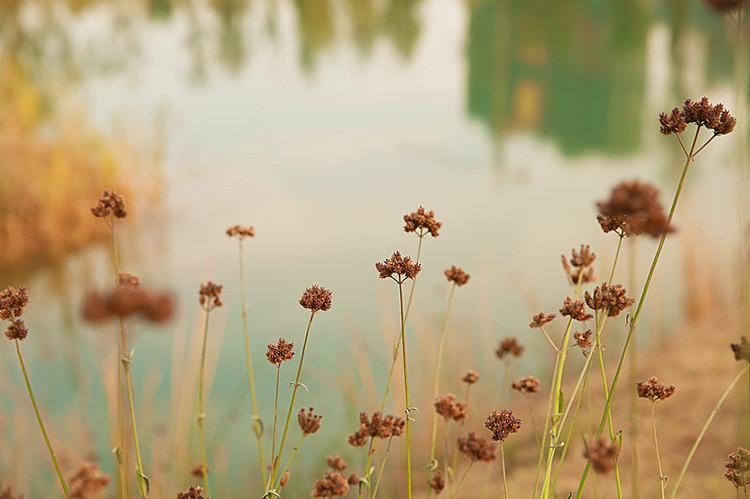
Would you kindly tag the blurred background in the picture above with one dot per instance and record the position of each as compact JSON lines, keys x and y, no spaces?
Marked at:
{"x":320,"y":123}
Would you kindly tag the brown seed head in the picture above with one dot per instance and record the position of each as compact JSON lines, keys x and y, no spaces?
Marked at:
{"x":738,"y":467}
{"x":279,"y":352}
{"x":742,"y":349}
{"x":540,"y":319}
{"x":633,"y":208}
{"x":333,"y":484}
{"x":575,"y":309}
{"x":199,"y":470}
{"x":602,"y":454}
{"x":284,"y":479}
{"x":353,"y":480}
{"x":128,"y":301}
{"x":705,"y":114}
{"x":209,"y":295}
{"x":610,"y":298}
{"x":470,"y":377}
{"x":583,"y":339}
{"x":456,"y":275}
{"x":87,"y":481}
{"x":654,"y":390}
{"x":336,"y":463}
{"x":240,"y":232}
{"x":477,"y":448}
{"x":110,"y":205}
{"x":13,"y":302}
{"x":7,"y":493}
{"x":502,"y":424}
{"x":579,"y":268}
{"x":377,"y":426}
{"x":316,"y":299}
{"x":16,"y":330}
{"x":673,"y":122}
{"x":509,"y":347}
{"x":437,"y":482}
{"x":422,"y":222}
{"x":192,"y":493}
{"x":529,"y":384}
{"x":397,"y":267}
{"x":309,"y":422}
{"x":450,"y":408}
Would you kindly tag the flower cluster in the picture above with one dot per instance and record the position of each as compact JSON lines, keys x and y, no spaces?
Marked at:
{"x":13,"y":302}
{"x":279,"y":352}
{"x":477,"y":448}
{"x":528,"y":384}
{"x":308,"y":421}
{"x":502,"y":424}
{"x":701,"y":113}
{"x":397,"y":267}
{"x":377,"y":426}
{"x":741,"y":350}
{"x":609,"y":298}
{"x":579,"y":268}
{"x":509,"y":347}
{"x":209,"y":295}
{"x":540,"y":319}
{"x":470,"y":377}
{"x":16,"y":330}
{"x":109,"y":205}
{"x":633,"y":208}
{"x":738,"y":467}
{"x":333,"y":484}
{"x":192,"y":493}
{"x":437,"y":482}
{"x":422,"y":222}
{"x":240,"y":232}
{"x":316,"y":299}
{"x":456,"y":275}
{"x":654,"y":390}
{"x":128,"y":301}
{"x":336,"y":463}
{"x":450,"y":408}
{"x":87,"y":481}
{"x":575,"y":309}
{"x":7,"y":493}
{"x":602,"y":455}
{"x":583,"y":339}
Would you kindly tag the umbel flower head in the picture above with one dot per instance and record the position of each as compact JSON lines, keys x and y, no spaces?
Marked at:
{"x":309,"y":422}
{"x":199,"y":470}
{"x":701,"y":113}
{"x":579,"y":268}
{"x":422,"y":222}
{"x":502,"y":424}
{"x":336,"y":463}
{"x":738,"y":467}
{"x":470,"y":377}
{"x":633,"y":208}
{"x":377,"y":426}
{"x":192,"y":493}
{"x":583,"y":339}
{"x":87,"y":481}
{"x":209,"y":296}
{"x":575,"y":309}
{"x":128,"y":301}
{"x":397,"y":267}
{"x":610,"y":298}
{"x":509,"y":347}
{"x":279,"y":352}
{"x":477,"y":448}
{"x":654,"y":390}
{"x":742,"y":349}
{"x":316,"y":299}
{"x":602,"y":454}
{"x":456,"y":275}
{"x":13,"y":302}
{"x":528,"y":384}
{"x":437,"y":482}
{"x":240,"y":232}
{"x":540,"y":319}
{"x":110,"y":205}
{"x":333,"y":484}
{"x":450,"y":408}
{"x":16,"y":330}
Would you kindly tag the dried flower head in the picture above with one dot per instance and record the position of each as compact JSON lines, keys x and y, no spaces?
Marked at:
{"x":16,"y":330}
{"x":192,"y":493}
{"x":611,"y":298}
{"x":655,"y":390}
{"x":509,"y":347}
{"x":126,"y":279}
{"x":528,"y":384}
{"x":470,"y":377}
{"x":13,"y":302}
{"x":284,"y":479}
{"x":199,"y":470}
{"x":633,"y":208}
{"x":540,"y":319}
{"x":333,"y":484}
{"x":7,"y":493}
{"x":377,"y":426}
{"x":742,"y":349}
{"x":336,"y":463}
{"x":738,"y":467}
{"x":673,"y":122}
{"x":109,"y":205}
{"x":705,"y":114}
{"x":575,"y":309}
{"x":502,"y":424}
{"x":397,"y":267}
{"x":477,"y":448}
{"x":725,"y":6}
{"x":128,"y":301}
{"x":209,"y":295}
{"x":353,"y":480}
{"x":87,"y":481}
{"x":279,"y":352}
{"x":583,"y":339}
{"x":450,"y":408}
{"x":437,"y":482}
{"x":579,"y":268}
{"x":316,"y":299}
{"x":456,"y":275}
{"x":422,"y":222}
{"x":309,"y":422}
{"x":602,"y":455}
{"x":240,"y":232}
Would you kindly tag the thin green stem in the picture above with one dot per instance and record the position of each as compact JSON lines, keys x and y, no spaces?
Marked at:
{"x":42,"y":428}
{"x":366,"y":471}
{"x":547,"y":419}
{"x":462,"y":478}
{"x":505,"y":476}
{"x":289,"y":461}
{"x":702,"y":434}
{"x":406,"y":390}
{"x":275,"y":420}
{"x":438,"y":368}
{"x":141,"y":478}
{"x":662,"y":478}
{"x":201,"y":418}
{"x":632,"y":368}
{"x":414,"y":281}
{"x":382,"y":468}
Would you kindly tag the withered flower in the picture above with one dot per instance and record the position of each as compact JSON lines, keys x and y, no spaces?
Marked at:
{"x":209,"y":295}
{"x":240,"y":232}
{"x":583,"y":339}
{"x":705,"y":114}
{"x":450,"y":408}
{"x":576,"y":310}
{"x":192,"y":493}
{"x":336,"y":463}
{"x":279,"y":352}
{"x":109,"y":205}
{"x":284,"y":479}
{"x":725,"y":6}
{"x":456,"y":275}
{"x":13,"y":302}
{"x":529,"y":384}
{"x":199,"y":470}
{"x":738,"y":467}
{"x":128,"y":301}
{"x":333,"y":484}
{"x":673,"y":122}
{"x":477,"y":448}
{"x":602,"y":455}
{"x":470,"y":377}
{"x":509,"y":347}
{"x":316,"y":299}
{"x":422,"y":222}
{"x":309,"y":422}
{"x":579,"y":268}
{"x":87,"y":481}
{"x":353,"y":480}
{"x":16,"y":330}
{"x":633,"y":208}
{"x":540,"y":319}
{"x":397,"y":267}
{"x":7,"y":493}
{"x":502,"y":424}
{"x":655,"y":390}
{"x":742,"y":349}
{"x":377,"y":426}
{"x":611,"y":298}
{"x":126,"y":279}
{"x":437,"y":482}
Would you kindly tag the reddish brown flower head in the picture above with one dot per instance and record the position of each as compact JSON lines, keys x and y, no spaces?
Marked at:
{"x":673,"y":122}
{"x":128,"y":301}
{"x":397,"y":267}
{"x":576,"y":310}
{"x":502,"y":424}
{"x":602,"y":455}
{"x":705,"y":114}
{"x":450,"y":408}
{"x":316,"y":299}
{"x":209,"y":295}
{"x":633,"y":208}
{"x":377,"y":426}
{"x":655,"y":390}
{"x":284,"y":479}
{"x":509,"y":347}
{"x":540,"y":319}
{"x":110,"y":205}
{"x":333,"y":484}
{"x":87,"y":481}
{"x":437,"y":482}
{"x":579,"y":268}
{"x":13,"y":302}
{"x":470,"y":377}
{"x":738,"y":467}
{"x":725,"y":6}
{"x":199,"y":470}
{"x":353,"y":480}
{"x":240,"y":232}
{"x":309,"y":422}
{"x":456,"y":275}
{"x":336,"y":463}
{"x":741,"y":350}
{"x":611,"y":299}
{"x":192,"y":493}
{"x":126,"y":279}
{"x":529,"y":384}
{"x":16,"y":330}
{"x":422,"y":222}
{"x":279,"y":352}
{"x":583,"y":339}
{"x":477,"y":448}
{"x":7,"y":493}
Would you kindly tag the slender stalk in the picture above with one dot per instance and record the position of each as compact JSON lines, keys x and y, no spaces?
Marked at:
{"x":505,"y":476}
{"x":547,"y":419}
{"x":406,"y":390}
{"x":257,"y":421}
{"x":414,"y":281}
{"x":702,"y":434}
{"x":140,"y":475}
{"x":366,"y":471}
{"x":201,"y":418}
{"x":382,"y":468}
{"x":632,"y":372}
{"x":42,"y":428}
{"x":289,"y":461}
{"x":662,"y":478}
{"x":461,"y":480}
{"x":275,"y":420}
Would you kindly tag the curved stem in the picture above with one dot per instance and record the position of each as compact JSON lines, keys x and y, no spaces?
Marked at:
{"x":438,"y":368}
{"x":141,"y":477}
{"x":201,"y":419}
